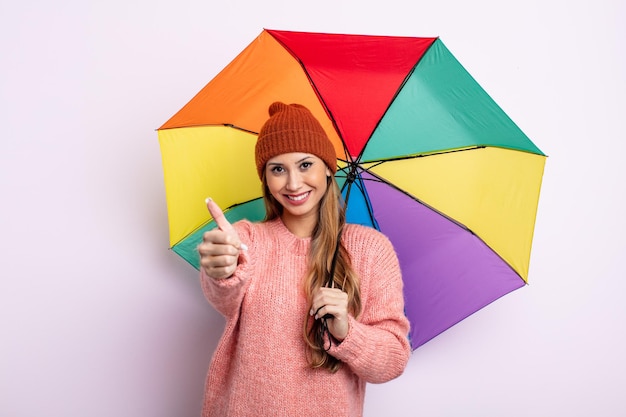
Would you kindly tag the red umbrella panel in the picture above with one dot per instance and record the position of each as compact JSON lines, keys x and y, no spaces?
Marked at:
{"x":434,"y":163}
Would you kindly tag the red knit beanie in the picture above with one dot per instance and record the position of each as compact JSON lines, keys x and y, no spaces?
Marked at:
{"x":292,"y":128}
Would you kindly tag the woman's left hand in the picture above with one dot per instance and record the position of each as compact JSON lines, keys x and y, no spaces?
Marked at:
{"x":332,"y":301}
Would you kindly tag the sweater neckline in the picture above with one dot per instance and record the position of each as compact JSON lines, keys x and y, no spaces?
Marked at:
{"x":295,"y":244}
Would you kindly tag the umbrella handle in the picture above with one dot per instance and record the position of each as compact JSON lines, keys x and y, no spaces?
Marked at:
{"x":325,"y":316}
{"x":330,"y":282}
{"x":351,"y":177}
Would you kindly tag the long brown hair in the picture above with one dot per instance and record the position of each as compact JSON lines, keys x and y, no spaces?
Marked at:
{"x":331,"y":220}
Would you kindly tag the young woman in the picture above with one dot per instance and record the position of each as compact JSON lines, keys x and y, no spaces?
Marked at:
{"x":297,"y":341}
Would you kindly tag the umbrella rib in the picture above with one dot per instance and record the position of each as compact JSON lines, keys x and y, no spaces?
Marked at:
{"x":243,"y":129}
{"x":395,"y":96}
{"x":370,"y":210}
{"x":435,"y":153}
{"x":376,"y":178}
{"x":238,"y":128}
{"x":317,"y":93}
{"x":353,"y":179}
{"x":424,"y":155}
{"x":416,"y":199}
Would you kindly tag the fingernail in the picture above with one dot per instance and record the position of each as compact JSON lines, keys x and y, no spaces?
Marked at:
{"x":244,"y":246}
{"x":208,"y":199}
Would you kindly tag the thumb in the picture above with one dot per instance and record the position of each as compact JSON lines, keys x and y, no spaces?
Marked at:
{"x":218,"y":216}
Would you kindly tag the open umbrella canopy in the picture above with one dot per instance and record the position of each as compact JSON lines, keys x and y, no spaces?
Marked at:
{"x":433,"y":161}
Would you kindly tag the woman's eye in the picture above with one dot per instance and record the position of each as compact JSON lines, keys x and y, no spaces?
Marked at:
{"x":277,"y":169}
{"x":306,"y":165}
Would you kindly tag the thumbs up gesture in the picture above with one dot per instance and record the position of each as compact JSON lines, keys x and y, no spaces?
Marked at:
{"x":220,"y":247}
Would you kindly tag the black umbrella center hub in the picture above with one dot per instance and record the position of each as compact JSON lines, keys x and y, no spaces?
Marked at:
{"x":352,"y":174}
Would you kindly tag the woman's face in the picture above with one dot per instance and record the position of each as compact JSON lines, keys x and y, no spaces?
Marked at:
{"x":298,"y":181}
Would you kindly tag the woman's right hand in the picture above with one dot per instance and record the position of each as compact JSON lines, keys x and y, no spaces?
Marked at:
{"x":220,"y":247}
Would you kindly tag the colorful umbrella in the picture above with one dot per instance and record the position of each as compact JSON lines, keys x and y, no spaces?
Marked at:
{"x":436,"y":165}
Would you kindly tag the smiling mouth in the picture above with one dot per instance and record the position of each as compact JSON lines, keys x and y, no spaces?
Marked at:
{"x":299,"y":197}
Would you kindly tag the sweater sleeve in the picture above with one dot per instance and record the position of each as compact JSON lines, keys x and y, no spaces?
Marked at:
{"x":377,"y":348}
{"x":226,"y":295}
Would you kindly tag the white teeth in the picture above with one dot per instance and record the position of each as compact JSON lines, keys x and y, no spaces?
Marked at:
{"x":298,"y":197}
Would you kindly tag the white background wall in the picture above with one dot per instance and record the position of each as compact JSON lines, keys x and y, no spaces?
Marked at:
{"x":98,"y":318}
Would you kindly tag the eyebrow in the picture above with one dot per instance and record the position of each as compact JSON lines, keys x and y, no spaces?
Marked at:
{"x":297,"y":162}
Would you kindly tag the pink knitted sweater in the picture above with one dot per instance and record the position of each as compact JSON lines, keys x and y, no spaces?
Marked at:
{"x":260,"y":365}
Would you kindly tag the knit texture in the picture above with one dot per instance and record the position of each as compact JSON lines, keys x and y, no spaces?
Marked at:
{"x":292,"y":128}
{"x":260,"y":366}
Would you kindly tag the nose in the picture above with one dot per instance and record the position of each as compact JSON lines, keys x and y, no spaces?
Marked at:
{"x":294,"y":181}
